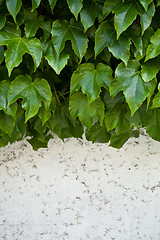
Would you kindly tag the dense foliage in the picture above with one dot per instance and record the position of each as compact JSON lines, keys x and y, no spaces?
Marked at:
{"x":65,"y":64}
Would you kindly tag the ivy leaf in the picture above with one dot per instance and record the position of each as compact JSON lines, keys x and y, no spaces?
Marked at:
{"x":17,"y":47}
{"x":146,"y":17}
{"x":63,"y":31}
{"x":156,"y":101}
{"x":134,"y":33}
{"x":64,"y":126}
{"x":117,"y":141}
{"x":106,"y":37}
{"x":126,"y":13}
{"x":123,"y":124}
{"x":153,"y":49}
{"x":75,"y":7}
{"x":90,"y":79}
{"x":32,"y":93}
{"x":97,"y":133}
{"x":44,"y":113}
{"x":153,"y":126}
{"x":57,"y":63}
{"x":130,"y":81}
{"x":91,"y":10}
{"x":36,"y":144}
{"x":85,"y":111}
{"x":1,"y":54}
{"x":145,"y":3}
{"x":113,"y":116}
{"x":7,"y":123}
{"x":3,"y":142}
{"x":12,"y":109}
{"x":150,"y":69}
{"x":151,"y":89}
{"x":32,"y":23}
{"x":14,"y":7}
{"x":52,"y":3}
{"x":3,"y":13}
{"x":35,"y":4}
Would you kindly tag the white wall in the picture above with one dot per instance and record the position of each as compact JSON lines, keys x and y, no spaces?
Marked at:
{"x":79,"y":191}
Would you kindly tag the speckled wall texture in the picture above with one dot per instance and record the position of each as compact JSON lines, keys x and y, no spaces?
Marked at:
{"x":79,"y":191}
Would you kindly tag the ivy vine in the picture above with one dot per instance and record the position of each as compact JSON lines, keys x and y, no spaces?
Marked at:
{"x":66,"y":64}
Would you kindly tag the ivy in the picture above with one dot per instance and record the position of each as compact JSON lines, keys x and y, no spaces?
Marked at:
{"x":70,"y":67}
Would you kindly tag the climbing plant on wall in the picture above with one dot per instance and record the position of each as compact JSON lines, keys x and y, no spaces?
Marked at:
{"x":66,"y":64}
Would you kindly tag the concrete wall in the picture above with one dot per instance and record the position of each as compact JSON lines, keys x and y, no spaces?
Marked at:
{"x":79,"y":191}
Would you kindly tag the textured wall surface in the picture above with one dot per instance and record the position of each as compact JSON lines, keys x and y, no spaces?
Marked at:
{"x":79,"y":191}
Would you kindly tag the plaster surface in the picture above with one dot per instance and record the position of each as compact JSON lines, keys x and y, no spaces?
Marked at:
{"x":79,"y":191}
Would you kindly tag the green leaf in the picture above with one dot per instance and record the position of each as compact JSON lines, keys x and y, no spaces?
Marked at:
{"x":7,"y":123}
{"x":85,"y":111}
{"x":44,"y":113}
{"x":146,"y":17}
{"x":12,"y":109}
{"x":150,"y":69}
{"x":3,"y":13}
{"x":64,"y":126}
{"x":126,"y":13}
{"x":116,"y":115}
{"x":14,"y":7}
{"x":35,"y":4}
{"x":36,"y":144}
{"x":130,"y":81}
{"x":156,"y":101}
{"x":145,"y":3}
{"x":57,"y":63}
{"x":97,"y":133}
{"x":117,"y":141}
{"x":3,"y":142}
{"x":134,"y":34}
{"x":75,"y":7}
{"x":1,"y":54}
{"x":52,"y":3}
{"x":151,"y":89}
{"x":123,"y":124}
{"x":153,"y":126}
{"x":90,"y":79}
{"x":18,"y":46}
{"x":113,"y":116}
{"x":33,"y":23}
{"x":153,"y":49}
{"x":91,"y":10}
{"x":63,"y":31}
{"x":106,"y":37}
{"x":32,"y":93}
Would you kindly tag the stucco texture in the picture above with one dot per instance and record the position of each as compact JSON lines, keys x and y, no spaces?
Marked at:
{"x":78,"y":191}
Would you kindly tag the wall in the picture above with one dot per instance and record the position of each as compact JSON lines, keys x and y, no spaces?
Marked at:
{"x":79,"y":191}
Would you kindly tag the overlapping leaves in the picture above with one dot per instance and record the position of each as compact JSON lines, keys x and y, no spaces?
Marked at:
{"x":69,"y":63}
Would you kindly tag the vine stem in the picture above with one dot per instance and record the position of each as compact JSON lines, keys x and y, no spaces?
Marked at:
{"x":57,"y":98}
